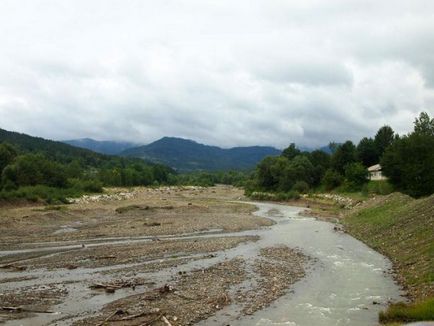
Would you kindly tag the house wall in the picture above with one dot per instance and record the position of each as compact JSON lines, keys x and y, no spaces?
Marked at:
{"x":376,"y":175}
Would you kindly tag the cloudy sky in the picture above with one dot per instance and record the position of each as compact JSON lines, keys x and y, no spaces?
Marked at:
{"x":227,"y":73}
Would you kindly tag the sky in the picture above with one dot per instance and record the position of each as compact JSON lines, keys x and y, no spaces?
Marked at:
{"x":226,"y":73}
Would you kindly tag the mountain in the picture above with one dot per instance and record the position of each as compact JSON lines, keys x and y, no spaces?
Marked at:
{"x":53,"y":149}
{"x":103,"y":147}
{"x":186,"y":155}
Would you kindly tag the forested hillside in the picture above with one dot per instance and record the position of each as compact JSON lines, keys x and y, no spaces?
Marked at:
{"x":103,"y":147}
{"x":33,"y":168}
{"x":186,"y":155}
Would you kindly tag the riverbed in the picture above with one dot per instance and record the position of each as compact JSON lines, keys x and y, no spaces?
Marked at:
{"x":335,"y":279}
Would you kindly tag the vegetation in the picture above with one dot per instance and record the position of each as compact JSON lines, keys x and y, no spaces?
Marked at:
{"x":33,"y":168}
{"x":402,"y":228}
{"x":401,"y":312}
{"x":187,"y":156}
{"x":407,"y":161}
{"x":206,"y":179}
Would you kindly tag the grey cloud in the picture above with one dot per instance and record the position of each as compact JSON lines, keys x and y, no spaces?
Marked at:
{"x":225,"y":73}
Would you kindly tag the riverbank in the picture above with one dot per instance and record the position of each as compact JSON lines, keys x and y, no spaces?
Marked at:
{"x":402,"y":228}
{"x":396,"y":225}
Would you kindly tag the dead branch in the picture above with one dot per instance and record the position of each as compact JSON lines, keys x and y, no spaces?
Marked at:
{"x":164,"y":319}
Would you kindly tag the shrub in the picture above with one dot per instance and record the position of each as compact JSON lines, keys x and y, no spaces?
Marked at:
{"x":301,"y":187}
{"x":379,"y":187}
{"x":356,"y":175}
{"x":332,"y":179}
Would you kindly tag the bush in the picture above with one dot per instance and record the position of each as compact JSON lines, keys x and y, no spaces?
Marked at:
{"x":379,"y":187}
{"x":356,"y":175}
{"x":301,"y":187}
{"x":332,"y":179}
{"x":85,"y":185}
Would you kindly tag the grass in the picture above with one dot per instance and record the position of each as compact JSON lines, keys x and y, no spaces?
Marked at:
{"x":401,"y":312}
{"x":402,"y":228}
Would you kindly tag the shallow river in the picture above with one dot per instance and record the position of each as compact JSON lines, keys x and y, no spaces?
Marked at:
{"x":347,"y":283}
{"x":344,"y":285}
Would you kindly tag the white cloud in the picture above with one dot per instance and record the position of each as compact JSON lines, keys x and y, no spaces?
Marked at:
{"x":222,"y":72}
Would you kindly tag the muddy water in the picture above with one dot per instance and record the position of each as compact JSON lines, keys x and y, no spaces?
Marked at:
{"x":342,"y":284}
{"x":347,"y":284}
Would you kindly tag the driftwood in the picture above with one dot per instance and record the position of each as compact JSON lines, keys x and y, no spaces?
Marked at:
{"x":104,"y":257}
{"x":18,"y":268}
{"x":131,"y":317}
{"x":21,"y":309}
{"x":119,"y":284}
{"x":145,"y":313}
{"x":117,"y":312}
{"x":164,"y":319}
{"x":104,"y":286}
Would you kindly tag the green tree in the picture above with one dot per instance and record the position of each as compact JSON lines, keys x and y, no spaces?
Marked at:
{"x":291,"y":151}
{"x":408,"y":162}
{"x":383,"y":139}
{"x":7,"y":155}
{"x":367,"y":152}
{"x":266,"y":173}
{"x":332,"y":179}
{"x":424,"y":125}
{"x":344,"y":155}
{"x":320,"y":162}
{"x":356,"y":175}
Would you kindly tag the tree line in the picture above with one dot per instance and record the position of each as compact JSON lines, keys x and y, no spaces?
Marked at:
{"x":48,"y":175}
{"x":407,"y":161}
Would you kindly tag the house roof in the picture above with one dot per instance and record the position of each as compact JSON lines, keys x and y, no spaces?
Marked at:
{"x":373,"y":168}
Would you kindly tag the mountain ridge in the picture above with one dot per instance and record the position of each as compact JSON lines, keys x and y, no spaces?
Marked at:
{"x":187,"y":155}
{"x":108,"y":147}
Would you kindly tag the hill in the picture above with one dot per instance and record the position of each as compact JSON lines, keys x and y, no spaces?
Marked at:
{"x":186,"y":155}
{"x":103,"y":147}
{"x":35,"y":168}
{"x":55,"y":150}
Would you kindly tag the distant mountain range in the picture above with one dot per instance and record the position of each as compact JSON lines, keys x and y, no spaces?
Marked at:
{"x":183,"y":155}
{"x":104,"y":147}
{"x":186,"y":155}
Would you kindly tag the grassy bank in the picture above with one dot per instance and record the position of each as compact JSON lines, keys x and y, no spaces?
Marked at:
{"x":402,"y":228}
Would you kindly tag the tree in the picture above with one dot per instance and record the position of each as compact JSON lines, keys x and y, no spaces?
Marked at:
{"x":408,"y":162}
{"x":424,"y":125}
{"x":321,"y":162}
{"x":332,"y":179}
{"x":7,"y":155}
{"x":291,"y":151}
{"x":266,"y":172}
{"x":383,"y":139}
{"x":356,"y":175}
{"x":344,"y":155}
{"x":367,"y":152}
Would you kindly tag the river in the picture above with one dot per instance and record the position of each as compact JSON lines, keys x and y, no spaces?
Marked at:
{"x":347,"y":283}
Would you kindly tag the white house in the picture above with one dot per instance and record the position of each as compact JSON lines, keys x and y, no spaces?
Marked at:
{"x":375,"y":172}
